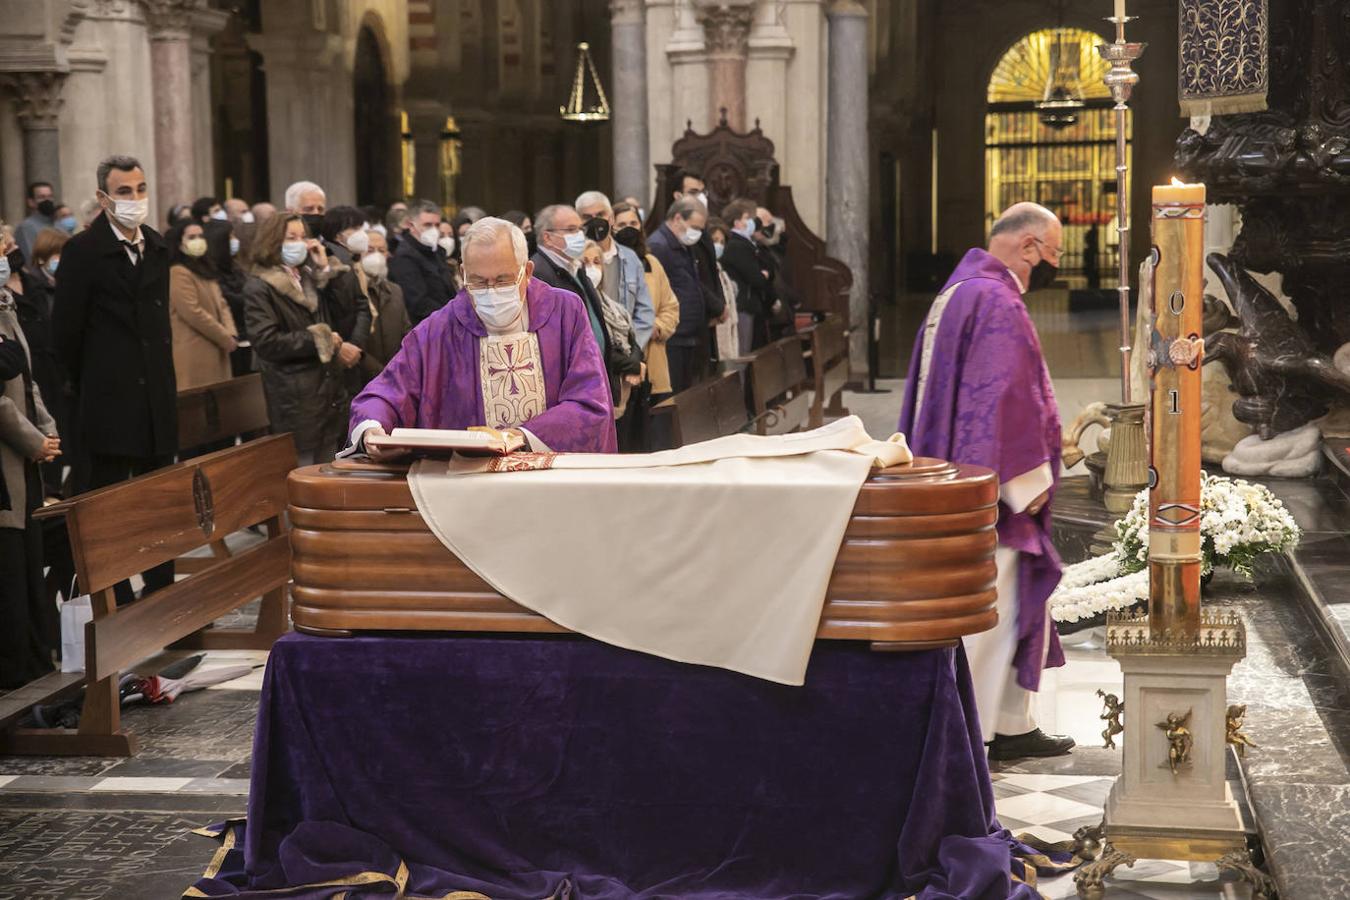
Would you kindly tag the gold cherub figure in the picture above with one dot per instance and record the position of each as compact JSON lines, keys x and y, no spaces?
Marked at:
{"x":1179,"y":739}
{"x":1111,"y":713}
{"x":1233,"y":721}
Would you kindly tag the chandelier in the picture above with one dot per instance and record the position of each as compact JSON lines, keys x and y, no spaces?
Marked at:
{"x":1061,"y":103}
{"x":577,"y":109}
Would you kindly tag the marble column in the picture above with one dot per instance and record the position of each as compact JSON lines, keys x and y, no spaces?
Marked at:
{"x":171,"y":70}
{"x":204,"y":24}
{"x":687,"y":99}
{"x":628,"y":98}
{"x":766,"y":74}
{"x":727,"y":26}
{"x":37,"y":106}
{"x":847,"y":155}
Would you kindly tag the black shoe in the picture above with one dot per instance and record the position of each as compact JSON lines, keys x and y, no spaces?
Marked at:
{"x":1034,"y":743}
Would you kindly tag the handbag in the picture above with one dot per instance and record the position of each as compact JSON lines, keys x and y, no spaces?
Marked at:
{"x":75,"y":614}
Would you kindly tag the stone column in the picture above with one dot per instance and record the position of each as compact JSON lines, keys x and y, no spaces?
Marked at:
{"x":766,"y":74}
{"x":686,"y":51}
{"x":628,"y":93}
{"x":171,"y":70}
{"x":727,"y":25}
{"x":37,"y":105}
{"x":846,"y":204}
{"x":204,"y":23}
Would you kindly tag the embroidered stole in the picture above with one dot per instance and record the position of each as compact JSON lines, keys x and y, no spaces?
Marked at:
{"x":511,"y":373}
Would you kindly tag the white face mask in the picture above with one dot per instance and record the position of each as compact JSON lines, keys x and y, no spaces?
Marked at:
{"x":430,"y":237}
{"x":380,"y":229}
{"x":691,"y":236}
{"x":375,"y":265}
{"x":130,"y":213}
{"x":246,"y":218}
{"x":500,"y":307}
{"x":220,"y":215}
{"x":358,"y":242}
{"x":701,"y":197}
{"x":234,"y":246}
{"x":575,"y":246}
{"x":195,"y":246}
{"x":447,"y":244}
{"x":293,"y":253}
{"x":595,"y":273}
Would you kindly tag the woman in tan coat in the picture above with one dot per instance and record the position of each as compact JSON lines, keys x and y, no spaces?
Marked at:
{"x":628,"y":231}
{"x":204,"y":333}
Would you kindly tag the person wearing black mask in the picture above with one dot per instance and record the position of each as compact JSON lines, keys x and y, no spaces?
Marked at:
{"x":41,"y":214}
{"x":978,"y":392}
{"x":308,"y":201}
{"x":224,"y":250}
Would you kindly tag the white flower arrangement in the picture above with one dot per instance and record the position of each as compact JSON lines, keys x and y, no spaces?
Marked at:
{"x":1239,"y":522}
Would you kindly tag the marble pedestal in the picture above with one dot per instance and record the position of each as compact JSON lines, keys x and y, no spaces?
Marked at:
{"x":1172,"y":799}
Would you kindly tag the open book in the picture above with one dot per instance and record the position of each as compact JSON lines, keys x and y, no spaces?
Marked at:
{"x":444,"y":442}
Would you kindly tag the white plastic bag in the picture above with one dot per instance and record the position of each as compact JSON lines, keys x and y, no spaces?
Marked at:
{"x":75,"y":613}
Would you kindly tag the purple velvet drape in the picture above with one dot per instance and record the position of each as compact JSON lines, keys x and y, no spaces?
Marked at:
{"x":564,"y":767}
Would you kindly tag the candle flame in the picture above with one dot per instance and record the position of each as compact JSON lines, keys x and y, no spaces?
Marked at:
{"x":1177,"y":182}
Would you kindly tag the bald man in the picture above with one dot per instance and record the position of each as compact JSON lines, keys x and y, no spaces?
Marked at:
{"x":978,"y":392}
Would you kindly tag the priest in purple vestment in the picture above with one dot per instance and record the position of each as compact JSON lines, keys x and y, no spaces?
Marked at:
{"x":508,"y":352}
{"x":978,"y":392}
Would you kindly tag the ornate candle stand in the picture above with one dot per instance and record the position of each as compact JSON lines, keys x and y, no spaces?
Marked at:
{"x":1126,"y":471}
{"x":1172,"y":799}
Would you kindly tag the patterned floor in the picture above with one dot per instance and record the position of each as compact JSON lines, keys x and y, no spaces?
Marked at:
{"x":1052,"y":807}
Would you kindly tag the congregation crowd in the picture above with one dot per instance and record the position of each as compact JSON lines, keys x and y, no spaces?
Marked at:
{"x":103,"y":321}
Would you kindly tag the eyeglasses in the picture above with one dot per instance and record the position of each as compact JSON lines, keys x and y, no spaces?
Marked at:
{"x":575,"y":229}
{"x":1055,"y":250}
{"x":504,"y":281}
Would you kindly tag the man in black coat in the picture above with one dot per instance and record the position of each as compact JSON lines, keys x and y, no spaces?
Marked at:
{"x":419,"y":266}
{"x":676,"y":245}
{"x":557,"y":263}
{"x":110,"y":323}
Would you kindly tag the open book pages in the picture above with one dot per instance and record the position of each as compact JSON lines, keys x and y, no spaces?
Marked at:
{"x":443,"y":442}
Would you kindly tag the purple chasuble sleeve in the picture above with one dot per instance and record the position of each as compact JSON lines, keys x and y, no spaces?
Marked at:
{"x":989,"y":402}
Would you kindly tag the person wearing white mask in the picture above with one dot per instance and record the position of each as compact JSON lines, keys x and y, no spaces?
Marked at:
{"x":346,"y":240}
{"x":508,"y":352}
{"x":561,"y":240}
{"x":420,"y":266}
{"x":389,"y":316}
{"x":678,"y":246}
{"x":111,"y":325}
{"x":303,"y":359}
{"x":204,"y":333}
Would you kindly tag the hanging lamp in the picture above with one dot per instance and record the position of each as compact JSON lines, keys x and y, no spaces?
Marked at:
{"x":1060,"y":105}
{"x":576,"y":109}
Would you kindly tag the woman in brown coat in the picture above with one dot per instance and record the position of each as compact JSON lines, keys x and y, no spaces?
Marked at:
{"x":204,"y":333}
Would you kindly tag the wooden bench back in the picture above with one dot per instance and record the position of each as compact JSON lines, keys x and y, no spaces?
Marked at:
{"x":127,"y":528}
{"x":221,"y":410}
{"x":780,"y":388}
{"x":829,"y":364}
{"x":710,"y":409}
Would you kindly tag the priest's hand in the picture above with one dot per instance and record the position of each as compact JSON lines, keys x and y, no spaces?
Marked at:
{"x":377,"y":454}
{"x":348,"y":354}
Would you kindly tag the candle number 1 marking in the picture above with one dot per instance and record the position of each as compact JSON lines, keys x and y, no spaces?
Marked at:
{"x":1174,"y":402}
{"x":1177,"y":302}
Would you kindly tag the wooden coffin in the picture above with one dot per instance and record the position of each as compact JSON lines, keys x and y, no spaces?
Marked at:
{"x":916,"y":567}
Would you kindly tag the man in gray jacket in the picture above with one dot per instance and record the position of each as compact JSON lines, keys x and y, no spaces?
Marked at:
{"x":625,"y":275}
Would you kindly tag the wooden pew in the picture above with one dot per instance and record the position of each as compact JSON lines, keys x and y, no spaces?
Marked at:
{"x":222,"y":410}
{"x":212,"y":413}
{"x":712,"y":408}
{"x":121,"y":530}
{"x":779,"y":387}
{"x":829,"y":368}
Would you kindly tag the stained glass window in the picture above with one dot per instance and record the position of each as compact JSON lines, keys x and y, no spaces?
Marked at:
{"x":1065,"y":160}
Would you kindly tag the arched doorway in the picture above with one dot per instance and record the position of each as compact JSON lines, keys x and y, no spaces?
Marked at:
{"x":1050,"y":137}
{"x":373,"y":122}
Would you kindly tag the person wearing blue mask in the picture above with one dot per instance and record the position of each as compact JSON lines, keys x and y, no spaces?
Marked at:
{"x":65,"y":219}
{"x":561,"y":239}
{"x":288,"y":318}
{"x":420,"y":266}
{"x":677,"y":244}
{"x":754,"y":289}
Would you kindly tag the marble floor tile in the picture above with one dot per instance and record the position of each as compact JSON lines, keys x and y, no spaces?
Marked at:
{"x":1040,"y":807}
{"x":168,"y":767}
{"x":1038,"y":782}
{"x":6,"y":779}
{"x":1043,"y":832}
{"x":1093,"y":793}
{"x":237,"y":786}
{"x":141,"y":785}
